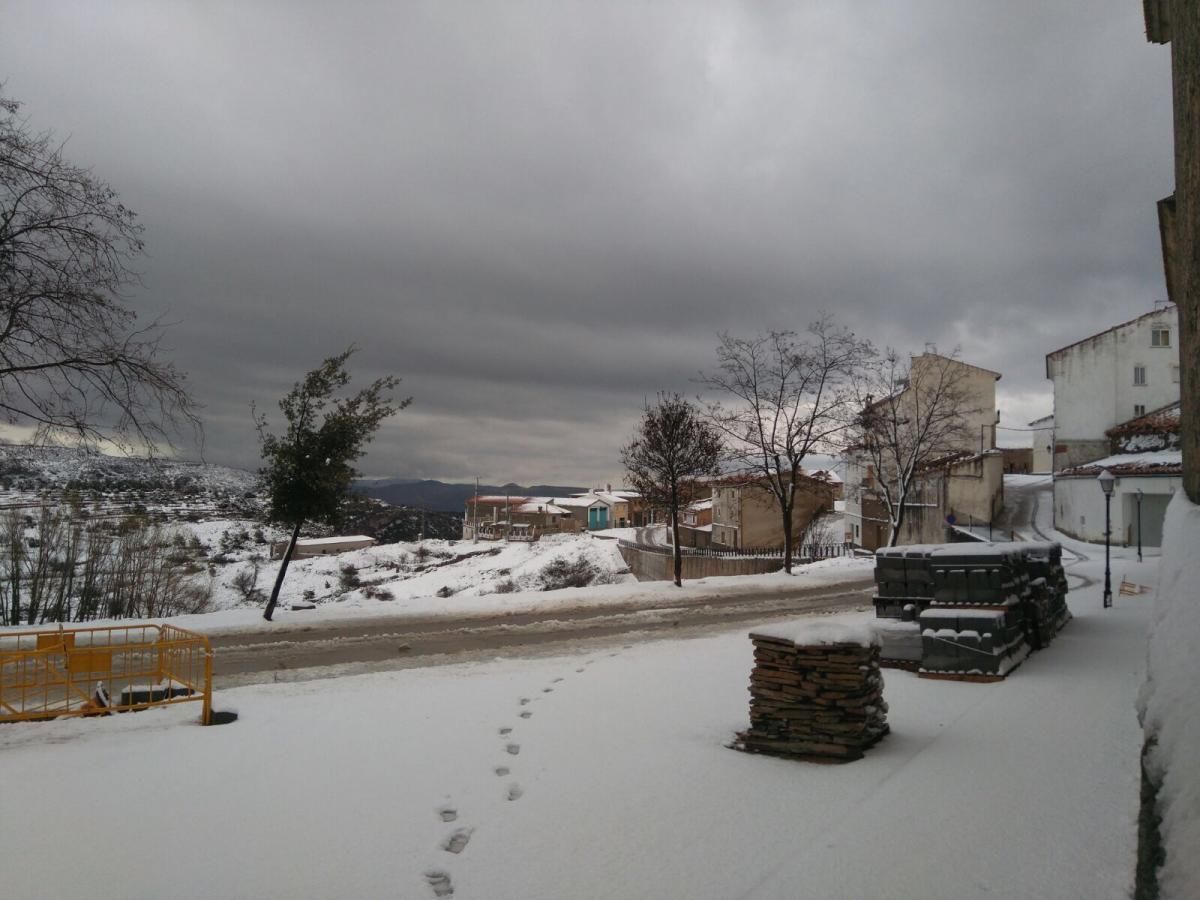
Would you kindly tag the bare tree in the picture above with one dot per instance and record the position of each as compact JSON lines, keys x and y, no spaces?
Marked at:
{"x":914,"y":413}
{"x":782,"y":397}
{"x":672,"y":448}
{"x":72,"y":360}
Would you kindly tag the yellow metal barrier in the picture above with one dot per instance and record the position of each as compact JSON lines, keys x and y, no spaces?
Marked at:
{"x":94,"y":671}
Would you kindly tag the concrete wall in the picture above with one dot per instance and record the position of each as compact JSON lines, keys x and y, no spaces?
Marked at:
{"x":1079,"y":508}
{"x":650,"y":566}
{"x":1093,"y":380}
{"x":979,"y":386}
{"x":1043,"y":449}
{"x":976,"y":488}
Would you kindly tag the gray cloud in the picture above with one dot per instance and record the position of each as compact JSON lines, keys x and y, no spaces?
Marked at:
{"x":538,"y":214}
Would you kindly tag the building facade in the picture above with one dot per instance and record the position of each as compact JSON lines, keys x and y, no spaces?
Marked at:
{"x":1109,"y":378}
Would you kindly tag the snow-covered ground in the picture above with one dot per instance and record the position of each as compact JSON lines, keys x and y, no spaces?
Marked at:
{"x":599,"y":775}
{"x":458,"y":579}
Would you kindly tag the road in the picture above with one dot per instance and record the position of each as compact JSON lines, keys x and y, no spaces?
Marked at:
{"x":343,"y":647}
{"x":1029,"y":511}
{"x":347,"y":647}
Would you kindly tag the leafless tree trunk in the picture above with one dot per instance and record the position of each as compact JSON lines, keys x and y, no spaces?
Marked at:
{"x":782,"y":397}
{"x":915,"y":413}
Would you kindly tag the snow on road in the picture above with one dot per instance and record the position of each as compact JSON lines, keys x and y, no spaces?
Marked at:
{"x":602,"y":775}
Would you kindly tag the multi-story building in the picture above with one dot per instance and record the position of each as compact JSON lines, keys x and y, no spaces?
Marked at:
{"x":1112,"y":377}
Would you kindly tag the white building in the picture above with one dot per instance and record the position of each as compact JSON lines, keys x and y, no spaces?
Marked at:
{"x":1109,"y":378}
{"x":1043,"y":445}
{"x":1148,"y":466}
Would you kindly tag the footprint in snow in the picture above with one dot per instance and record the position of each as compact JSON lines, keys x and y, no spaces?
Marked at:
{"x":501,"y":770}
{"x":506,"y":731}
{"x":556,"y":681}
{"x":457,"y":842}
{"x":448,"y":813}
{"x":547,"y":690}
{"x":513,"y":749}
{"x":439,"y":880}
{"x":515,"y":791}
{"x":580,"y":669}
{"x":526,"y":714}
{"x":524,"y":700}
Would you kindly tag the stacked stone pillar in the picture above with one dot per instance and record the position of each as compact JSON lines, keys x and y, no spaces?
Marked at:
{"x":819,"y":701}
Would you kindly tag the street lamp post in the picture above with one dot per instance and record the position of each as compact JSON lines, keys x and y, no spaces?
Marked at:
{"x":1107,"y":480}
{"x":1139,"y":523}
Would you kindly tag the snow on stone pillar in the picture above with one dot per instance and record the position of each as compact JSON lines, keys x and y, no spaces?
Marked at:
{"x":816,"y":693}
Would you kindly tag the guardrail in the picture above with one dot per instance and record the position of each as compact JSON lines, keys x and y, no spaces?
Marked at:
{"x":806,"y":552}
{"x":95,"y":671}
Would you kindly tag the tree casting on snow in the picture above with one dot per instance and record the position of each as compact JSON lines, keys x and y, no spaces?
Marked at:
{"x":308,"y":470}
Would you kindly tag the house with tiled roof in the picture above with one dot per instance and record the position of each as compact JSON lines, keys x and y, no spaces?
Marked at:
{"x":504,"y":517}
{"x":1145,"y":459}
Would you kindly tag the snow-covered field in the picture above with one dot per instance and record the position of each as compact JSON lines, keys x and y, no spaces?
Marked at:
{"x":599,"y":775}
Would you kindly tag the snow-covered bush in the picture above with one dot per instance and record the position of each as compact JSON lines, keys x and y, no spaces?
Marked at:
{"x":567,"y":573}
{"x":348,"y":578}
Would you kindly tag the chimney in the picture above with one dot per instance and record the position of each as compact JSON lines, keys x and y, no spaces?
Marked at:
{"x":608,"y":488}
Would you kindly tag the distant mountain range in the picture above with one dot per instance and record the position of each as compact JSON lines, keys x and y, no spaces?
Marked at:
{"x":438,"y":496}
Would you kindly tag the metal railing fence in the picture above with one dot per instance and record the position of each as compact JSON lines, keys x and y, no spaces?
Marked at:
{"x":48,"y":673}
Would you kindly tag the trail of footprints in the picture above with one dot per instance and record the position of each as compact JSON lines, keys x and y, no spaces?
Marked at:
{"x":456,"y":841}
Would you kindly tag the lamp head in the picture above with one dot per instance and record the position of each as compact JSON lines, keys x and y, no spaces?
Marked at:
{"x":1107,"y":480}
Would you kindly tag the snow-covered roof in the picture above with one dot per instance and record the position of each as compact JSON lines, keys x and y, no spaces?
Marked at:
{"x":701,"y":504}
{"x":826,"y":475}
{"x":610,"y":498}
{"x":540,"y":505}
{"x":1163,"y":419}
{"x":583,"y":502}
{"x":1152,"y":462}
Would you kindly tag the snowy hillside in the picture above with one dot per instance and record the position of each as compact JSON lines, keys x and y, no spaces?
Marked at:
{"x":36,"y":469}
{"x":399,"y":574}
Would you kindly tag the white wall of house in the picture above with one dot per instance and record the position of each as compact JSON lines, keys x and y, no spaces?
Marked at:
{"x":1096,"y":382}
{"x":1079,"y":507}
{"x":1043,"y":445}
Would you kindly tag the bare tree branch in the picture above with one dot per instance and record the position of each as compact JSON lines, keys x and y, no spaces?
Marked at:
{"x":72,"y":362}
{"x":671,"y":449}
{"x":783,"y":397}
{"x":915,"y":413}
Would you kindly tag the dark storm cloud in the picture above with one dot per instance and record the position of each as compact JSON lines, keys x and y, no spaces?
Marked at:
{"x":539,"y":214}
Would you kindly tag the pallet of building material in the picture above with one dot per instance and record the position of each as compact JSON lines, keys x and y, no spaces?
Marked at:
{"x":816,"y":693}
{"x":900,"y":645}
{"x":982,"y":644}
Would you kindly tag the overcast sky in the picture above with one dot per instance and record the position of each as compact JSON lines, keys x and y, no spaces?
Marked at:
{"x":539,"y":214}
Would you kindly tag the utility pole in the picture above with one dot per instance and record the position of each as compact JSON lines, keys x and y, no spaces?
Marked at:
{"x":475,"y":514}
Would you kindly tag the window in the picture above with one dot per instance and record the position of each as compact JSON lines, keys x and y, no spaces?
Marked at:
{"x":1160,"y":337}
{"x":1139,"y":376}
{"x":1174,"y":374}
{"x":1139,"y":409}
